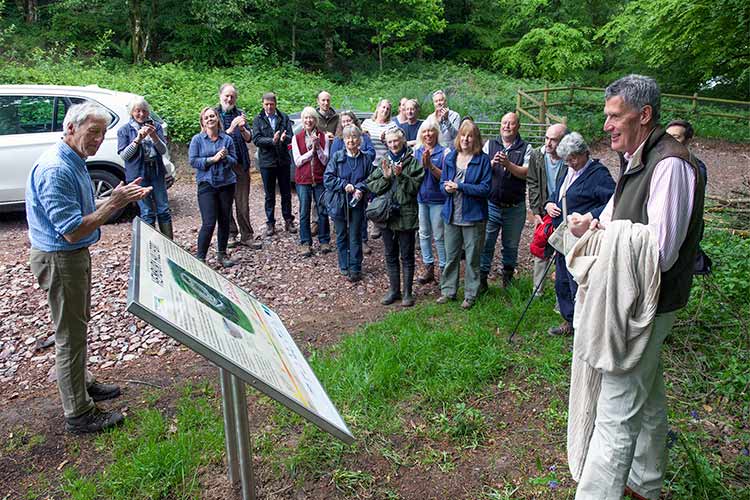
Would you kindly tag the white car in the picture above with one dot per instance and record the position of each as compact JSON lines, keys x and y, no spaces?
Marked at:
{"x":31,"y":118}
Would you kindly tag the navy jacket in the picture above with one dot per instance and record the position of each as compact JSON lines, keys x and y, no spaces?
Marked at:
{"x":589,"y":193}
{"x":272,"y":155}
{"x":135,"y":167}
{"x":341,"y":170}
{"x":475,"y":188}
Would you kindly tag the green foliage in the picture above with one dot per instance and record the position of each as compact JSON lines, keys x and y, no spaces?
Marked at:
{"x":689,"y":43}
{"x":464,"y":424}
{"x":555,"y":53}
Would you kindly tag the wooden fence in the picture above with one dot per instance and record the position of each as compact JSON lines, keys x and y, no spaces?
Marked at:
{"x":535,"y":107}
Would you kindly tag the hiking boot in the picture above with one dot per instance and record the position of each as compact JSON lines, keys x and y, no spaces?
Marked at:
{"x":468,"y":303}
{"x":508,"y":272}
{"x":354,"y":277}
{"x":224,"y":260}
{"x":564,"y":330}
{"x":444,"y":299}
{"x":270,"y":230}
{"x":94,"y":420}
{"x":305,"y":251}
{"x":428,"y":276}
{"x":483,"y":285}
{"x":290,"y":226}
{"x":325,"y":248}
{"x":103,"y":392}
{"x":250,"y":243}
{"x":314,"y":229}
{"x":233,"y":242}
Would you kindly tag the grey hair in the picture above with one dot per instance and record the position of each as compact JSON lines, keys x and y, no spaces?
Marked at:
{"x":79,"y":113}
{"x":309,"y":111}
{"x":225,"y":86}
{"x":351,"y":131}
{"x":429,"y":124}
{"x":637,"y":91}
{"x":572,"y":144}
{"x":397,"y":132}
{"x":439,"y":92}
{"x":138,"y":101}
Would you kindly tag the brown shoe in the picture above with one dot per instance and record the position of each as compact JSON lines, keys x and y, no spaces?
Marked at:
{"x":444,"y":299}
{"x":564,"y":330}
{"x":325,"y":248}
{"x":467,"y":303}
{"x":305,"y":251}
{"x":314,"y":229}
{"x":250,"y":243}
{"x":428,"y":276}
{"x":632,"y":494}
{"x":290,"y":226}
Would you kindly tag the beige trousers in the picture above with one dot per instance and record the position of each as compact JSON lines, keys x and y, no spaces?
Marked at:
{"x":628,"y":443}
{"x":66,"y":277}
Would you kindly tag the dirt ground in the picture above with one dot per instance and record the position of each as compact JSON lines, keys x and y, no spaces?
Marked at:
{"x":317,"y":305}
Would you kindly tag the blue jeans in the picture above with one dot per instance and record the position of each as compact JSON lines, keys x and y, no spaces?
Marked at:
{"x":308,"y":194}
{"x":349,"y":240}
{"x":511,"y":220}
{"x":431,"y":226}
{"x":565,"y":288}
{"x":155,"y":206}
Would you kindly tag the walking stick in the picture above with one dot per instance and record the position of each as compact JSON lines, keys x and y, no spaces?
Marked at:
{"x":348,"y":235}
{"x":533,"y":294}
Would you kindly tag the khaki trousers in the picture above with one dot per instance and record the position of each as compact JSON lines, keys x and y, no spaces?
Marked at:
{"x":66,"y":277}
{"x":242,"y":225}
{"x":629,"y":439}
{"x":471,"y":240}
{"x":539,"y":266}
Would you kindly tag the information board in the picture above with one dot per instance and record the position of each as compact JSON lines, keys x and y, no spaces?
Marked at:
{"x":198,"y":307}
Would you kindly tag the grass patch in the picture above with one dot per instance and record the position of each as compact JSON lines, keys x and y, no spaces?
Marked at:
{"x":154,"y":456}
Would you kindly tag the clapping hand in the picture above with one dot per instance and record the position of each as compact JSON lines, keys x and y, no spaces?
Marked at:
{"x":385,"y":165}
{"x":276,"y":136}
{"x":397,"y":169}
{"x":552,"y":209}
{"x":283,"y":136}
{"x":450,"y":187}
{"x":349,"y":188}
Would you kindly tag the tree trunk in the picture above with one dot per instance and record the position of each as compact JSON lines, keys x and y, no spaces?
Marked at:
{"x":29,"y":9}
{"x":380,"y":55}
{"x":141,"y":15}
{"x":328,"y":52}
{"x":294,"y":39}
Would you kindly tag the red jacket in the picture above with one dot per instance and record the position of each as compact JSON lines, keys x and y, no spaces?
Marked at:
{"x":541,"y":234}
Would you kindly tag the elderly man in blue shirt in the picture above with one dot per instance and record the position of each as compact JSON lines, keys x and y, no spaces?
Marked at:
{"x":64,"y":221}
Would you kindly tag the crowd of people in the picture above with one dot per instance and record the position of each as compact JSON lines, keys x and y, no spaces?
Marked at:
{"x":436,"y":180}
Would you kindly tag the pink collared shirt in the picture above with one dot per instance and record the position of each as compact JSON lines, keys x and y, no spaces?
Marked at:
{"x":670,"y":203}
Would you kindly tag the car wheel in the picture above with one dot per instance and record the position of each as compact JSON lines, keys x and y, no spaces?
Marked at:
{"x":104,"y":183}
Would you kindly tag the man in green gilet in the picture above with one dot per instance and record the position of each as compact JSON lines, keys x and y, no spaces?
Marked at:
{"x":660,"y":187}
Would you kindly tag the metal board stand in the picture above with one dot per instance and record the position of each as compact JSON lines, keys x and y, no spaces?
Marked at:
{"x":236,"y":434}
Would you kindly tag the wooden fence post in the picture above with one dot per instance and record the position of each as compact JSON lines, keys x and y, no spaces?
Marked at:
{"x":543,"y":107}
{"x":518,"y":102}
{"x":695,"y":103}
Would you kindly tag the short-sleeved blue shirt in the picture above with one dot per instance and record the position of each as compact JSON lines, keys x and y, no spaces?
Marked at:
{"x":59,"y":194}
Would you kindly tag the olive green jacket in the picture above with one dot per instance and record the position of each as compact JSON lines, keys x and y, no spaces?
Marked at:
{"x":407,"y":187}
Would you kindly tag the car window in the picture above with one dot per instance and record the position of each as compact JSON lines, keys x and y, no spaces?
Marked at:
{"x":26,"y":114}
{"x":62,"y":104}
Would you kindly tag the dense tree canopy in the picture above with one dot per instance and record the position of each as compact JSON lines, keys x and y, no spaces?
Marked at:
{"x":691,"y":45}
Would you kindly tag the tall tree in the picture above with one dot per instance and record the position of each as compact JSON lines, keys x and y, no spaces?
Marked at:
{"x":688,"y":43}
